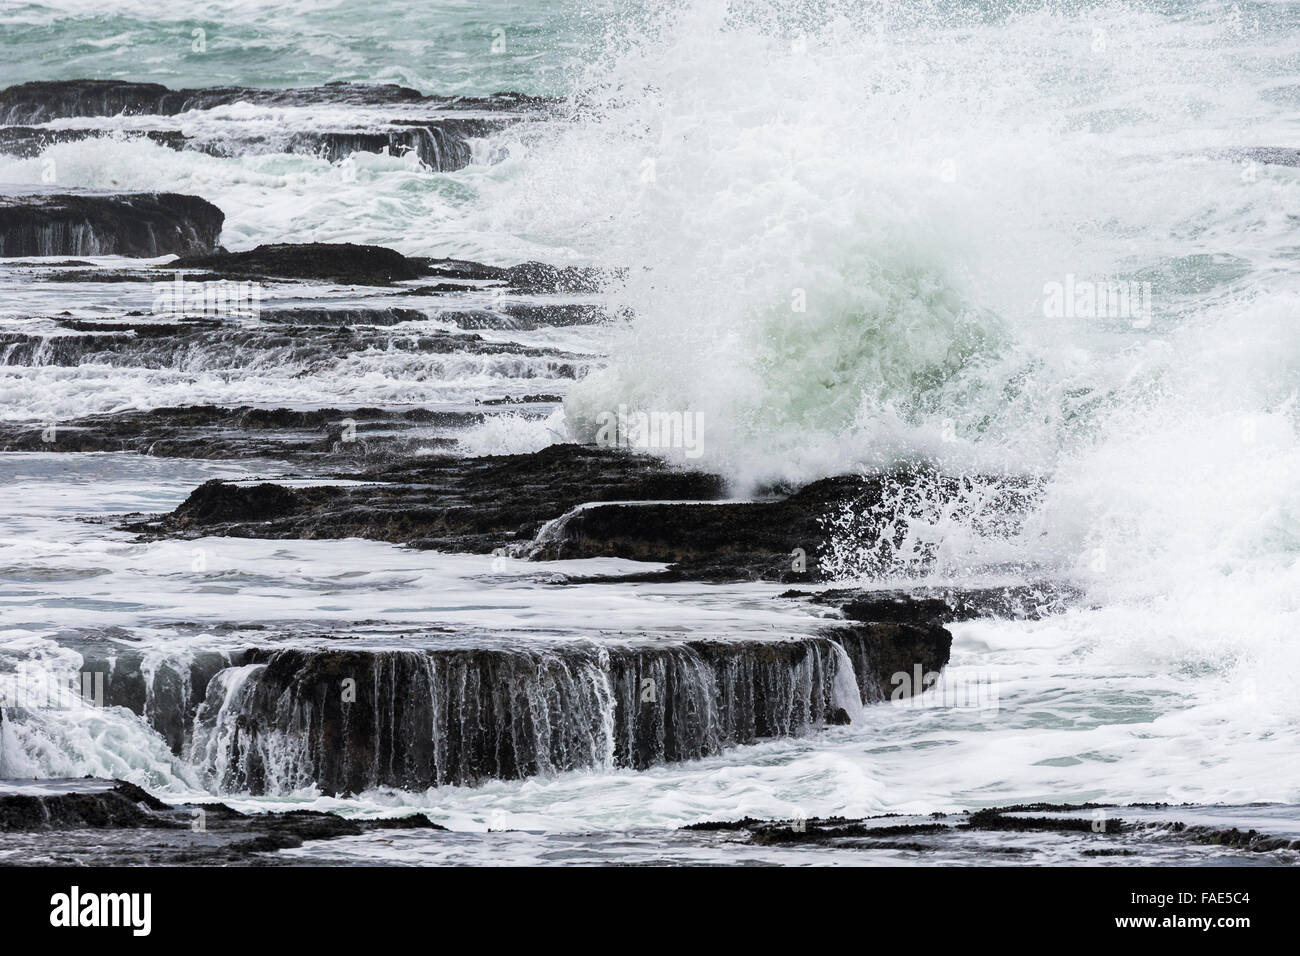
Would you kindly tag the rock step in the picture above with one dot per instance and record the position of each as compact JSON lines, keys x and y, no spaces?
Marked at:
{"x":377,"y":265}
{"x":234,"y":343}
{"x":29,"y":141}
{"x":328,"y":438}
{"x":443,"y":145}
{"x":42,"y":101}
{"x":134,"y":828}
{"x":38,"y":222}
{"x":456,"y":504}
{"x":275,"y":720}
{"x":641,"y":509}
{"x":1061,"y":831}
{"x":925,"y":605}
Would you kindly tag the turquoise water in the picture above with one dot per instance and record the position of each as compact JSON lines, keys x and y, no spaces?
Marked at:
{"x":458,"y":47}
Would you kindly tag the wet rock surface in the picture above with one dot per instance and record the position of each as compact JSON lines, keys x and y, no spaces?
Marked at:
{"x":923,"y":605}
{"x":323,"y":437}
{"x":422,"y":719}
{"x":36,"y":222}
{"x":438,"y":130}
{"x":90,"y":821}
{"x":365,"y":264}
{"x":457,"y":504}
{"x":337,"y":262}
{"x":442,"y":145}
{"x":464,"y":707}
{"x":29,"y":141}
{"x":230,"y":344}
{"x":1075,"y":832}
{"x":40,"y":101}
{"x":574,"y":502}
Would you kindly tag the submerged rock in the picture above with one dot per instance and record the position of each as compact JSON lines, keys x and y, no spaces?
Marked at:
{"x":45,"y":223}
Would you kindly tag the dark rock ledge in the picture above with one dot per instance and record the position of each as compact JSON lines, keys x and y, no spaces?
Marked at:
{"x":1085,"y":830}
{"x":49,"y":822}
{"x":136,"y":828}
{"x":40,"y":222}
{"x":316,"y":437}
{"x":566,"y":501}
{"x":377,"y":265}
{"x":463,"y":707}
{"x":455,"y":504}
{"x":338,"y":262}
{"x":30,"y":141}
{"x":444,"y":145}
{"x":943,"y":605}
{"x":44,"y":100}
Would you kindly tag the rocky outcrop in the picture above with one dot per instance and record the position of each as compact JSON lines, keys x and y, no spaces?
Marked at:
{"x":531,"y":278}
{"x":202,"y":344}
{"x":326,"y":437}
{"x":459,"y":504}
{"x":575,"y":502}
{"x":778,"y":539}
{"x":45,"y":223}
{"x":42,"y":101}
{"x":377,"y":265}
{"x":1082,"y":831}
{"x":471,"y":707}
{"x":940,"y":605}
{"x":133,"y":827}
{"x":443,"y":146}
{"x":336,"y":262}
{"x":29,"y":141}
{"x":784,"y":538}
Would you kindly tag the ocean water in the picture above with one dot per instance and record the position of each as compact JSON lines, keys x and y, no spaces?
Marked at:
{"x":846,"y":228}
